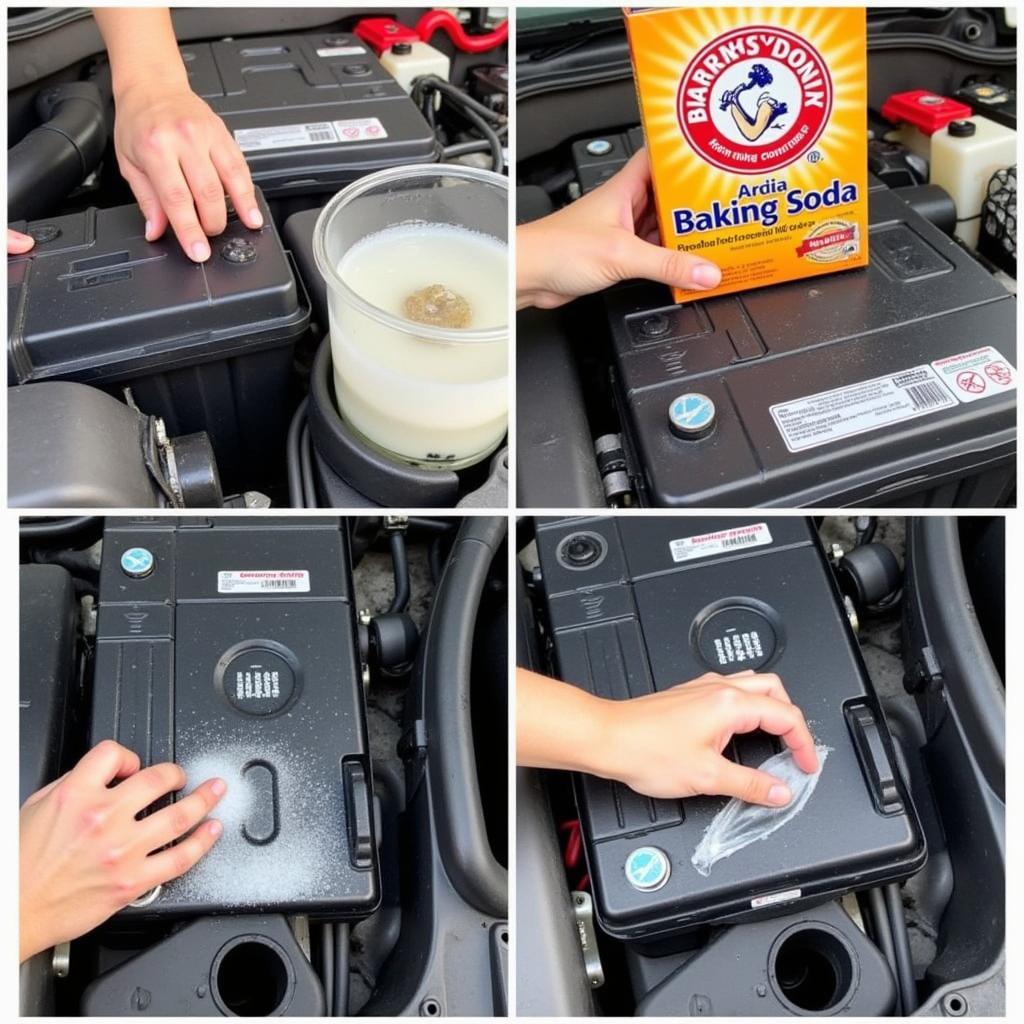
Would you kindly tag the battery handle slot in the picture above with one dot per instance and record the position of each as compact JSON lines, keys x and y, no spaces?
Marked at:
{"x":875,"y":761}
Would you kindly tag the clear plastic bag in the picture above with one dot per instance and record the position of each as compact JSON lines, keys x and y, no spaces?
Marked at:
{"x":738,"y":824}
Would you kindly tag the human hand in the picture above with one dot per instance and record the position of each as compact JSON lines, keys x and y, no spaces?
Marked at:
{"x":17,"y":243}
{"x":179,"y":159}
{"x":609,"y":235}
{"x":669,"y":744}
{"x":85,"y":854}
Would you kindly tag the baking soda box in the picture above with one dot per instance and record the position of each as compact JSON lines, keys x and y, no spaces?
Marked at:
{"x":756,"y":125}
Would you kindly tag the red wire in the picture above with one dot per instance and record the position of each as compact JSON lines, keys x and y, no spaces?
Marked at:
{"x":434,"y":20}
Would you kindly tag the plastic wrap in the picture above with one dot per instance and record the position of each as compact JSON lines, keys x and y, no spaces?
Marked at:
{"x":738,"y":823}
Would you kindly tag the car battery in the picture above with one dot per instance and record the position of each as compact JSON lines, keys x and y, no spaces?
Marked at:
{"x":894,"y":384}
{"x":229,"y":646}
{"x":639,"y":604}
{"x":206,"y":346}
{"x":310,"y":112}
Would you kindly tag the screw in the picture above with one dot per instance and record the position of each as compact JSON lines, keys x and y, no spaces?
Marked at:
{"x":238,"y":250}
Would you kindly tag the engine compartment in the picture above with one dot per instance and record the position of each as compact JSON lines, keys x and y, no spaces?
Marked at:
{"x":323,"y":668}
{"x":203,"y":372}
{"x":817,"y":392}
{"x":837,"y":599}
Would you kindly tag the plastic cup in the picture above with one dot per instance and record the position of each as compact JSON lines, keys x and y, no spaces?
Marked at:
{"x":425,"y":394}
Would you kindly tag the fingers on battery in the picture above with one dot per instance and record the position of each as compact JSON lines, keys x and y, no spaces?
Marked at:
{"x":178,"y":204}
{"x":149,"y":202}
{"x":206,"y":188}
{"x":177,"y":859}
{"x":149,"y":785}
{"x":640,"y":259}
{"x":171,"y":823}
{"x":750,"y":785}
{"x":780,"y":719}
{"x":17,"y":243}
{"x":234,"y":173}
{"x":767,"y":684}
{"x":107,"y":762}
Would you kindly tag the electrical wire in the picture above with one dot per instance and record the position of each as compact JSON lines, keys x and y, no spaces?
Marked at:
{"x":293,"y":458}
{"x":306,"y":462}
{"x":327,"y":963}
{"x":400,"y":562}
{"x":874,"y":903}
{"x":438,"y":19}
{"x":901,"y":942}
{"x":339,"y":1002}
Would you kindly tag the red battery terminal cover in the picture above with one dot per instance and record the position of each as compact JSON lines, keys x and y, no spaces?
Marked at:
{"x":926,"y":111}
{"x":381,"y":34}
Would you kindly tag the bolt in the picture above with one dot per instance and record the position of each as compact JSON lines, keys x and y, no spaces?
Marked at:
{"x":238,"y":250}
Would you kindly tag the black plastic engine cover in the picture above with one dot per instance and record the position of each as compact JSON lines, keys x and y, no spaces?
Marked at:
{"x":638,"y":604}
{"x":776,"y":356}
{"x":310,"y":112}
{"x":229,"y":646}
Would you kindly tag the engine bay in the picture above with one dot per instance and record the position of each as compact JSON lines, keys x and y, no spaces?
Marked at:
{"x":211,"y":382}
{"x":861,"y":388}
{"x":327,"y":670}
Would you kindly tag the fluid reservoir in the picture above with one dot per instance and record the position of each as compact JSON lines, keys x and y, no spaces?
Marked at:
{"x":415,"y":261}
{"x":965,"y":155}
{"x":408,"y":61}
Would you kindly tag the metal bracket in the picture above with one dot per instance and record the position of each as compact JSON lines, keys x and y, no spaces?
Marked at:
{"x":583,"y":908}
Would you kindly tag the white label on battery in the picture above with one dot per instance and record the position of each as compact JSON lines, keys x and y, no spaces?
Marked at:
{"x":357,"y":129}
{"x":977,"y":374}
{"x":263,"y":581}
{"x":286,"y":136}
{"x":735,"y":539}
{"x":339,"y":51}
{"x":775,"y":897}
{"x":831,"y":416}
{"x":317,"y":133}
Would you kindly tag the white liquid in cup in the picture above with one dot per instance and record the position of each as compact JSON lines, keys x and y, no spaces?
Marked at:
{"x":432,"y":402}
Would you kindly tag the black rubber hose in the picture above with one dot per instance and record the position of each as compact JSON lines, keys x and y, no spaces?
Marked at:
{"x":293,"y":459}
{"x":327,"y":963}
{"x":442,"y":682}
{"x":51,"y":529}
{"x":875,"y":904}
{"x":58,"y":155}
{"x":400,"y":561}
{"x":306,"y":462}
{"x":339,"y":1002}
{"x":901,"y":942}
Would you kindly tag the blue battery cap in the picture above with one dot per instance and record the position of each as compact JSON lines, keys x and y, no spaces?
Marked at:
{"x":137,"y":562}
{"x":647,"y":868}
{"x":691,"y":415}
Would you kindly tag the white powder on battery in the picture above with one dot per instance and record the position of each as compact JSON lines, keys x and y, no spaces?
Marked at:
{"x":306,"y":861}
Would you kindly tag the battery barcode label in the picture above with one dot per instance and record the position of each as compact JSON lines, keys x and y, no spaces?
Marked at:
{"x":841,"y":413}
{"x":261,"y":581}
{"x":685,"y":549}
{"x":318,"y":133}
{"x":927,"y":396}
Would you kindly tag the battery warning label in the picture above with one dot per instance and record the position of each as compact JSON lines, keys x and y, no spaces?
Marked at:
{"x":704,"y":545}
{"x":977,"y":374}
{"x":263,"y":581}
{"x":831,"y":416}
{"x":318,"y":133}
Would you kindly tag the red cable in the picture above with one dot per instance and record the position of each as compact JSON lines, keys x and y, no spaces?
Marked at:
{"x":434,"y":20}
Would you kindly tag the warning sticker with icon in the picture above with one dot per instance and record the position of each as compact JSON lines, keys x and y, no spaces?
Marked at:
{"x":980,"y":373}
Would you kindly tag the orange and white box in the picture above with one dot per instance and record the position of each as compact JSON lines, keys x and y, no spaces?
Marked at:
{"x":756,"y":126}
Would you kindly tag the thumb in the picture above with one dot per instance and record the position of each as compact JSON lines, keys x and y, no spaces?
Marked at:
{"x":640,"y":259}
{"x":17,"y":243}
{"x":751,"y":785}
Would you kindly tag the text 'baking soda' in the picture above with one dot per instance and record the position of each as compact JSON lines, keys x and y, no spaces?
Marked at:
{"x":756,"y":126}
